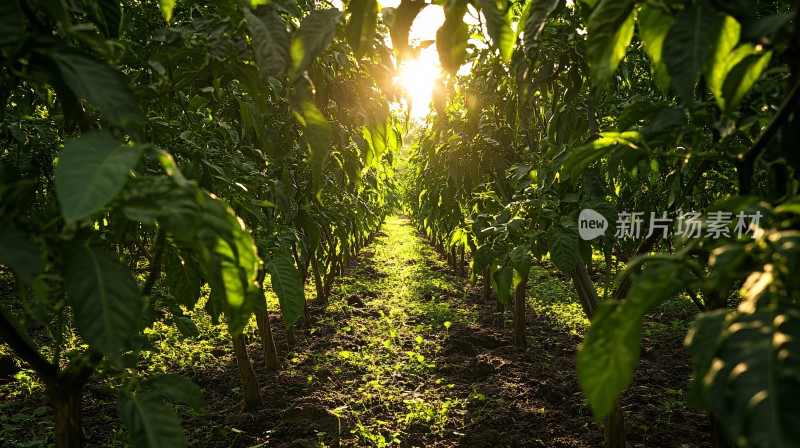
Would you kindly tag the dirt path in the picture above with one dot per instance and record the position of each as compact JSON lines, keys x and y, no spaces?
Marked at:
{"x":408,"y":353}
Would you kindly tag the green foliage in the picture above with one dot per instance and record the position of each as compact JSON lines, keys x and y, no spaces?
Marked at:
{"x":535,"y":18}
{"x":288,"y":287}
{"x":563,"y":247}
{"x":105,"y":297}
{"x":653,"y":28}
{"x":271,"y":40}
{"x":499,"y":26}
{"x":611,"y":347}
{"x":610,"y":30}
{"x":502,"y":280}
{"x":150,"y":422}
{"x":451,"y":38}
{"x":245,"y":137}
{"x":12,"y":25}
{"x":101,"y":85}
{"x":400,"y":24}
{"x":20,"y":253}
{"x":166,"y":8}
{"x":362,"y":24}
{"x":91,"y":171}
{"x":751,"y":382}
{"x":316,"y":31}
{"x":267,"y":145}
{"x":176,"y":388}
{"x":504,"y":167}
{"x":183,"y":278}
{"x":318,"y":135}
{"x":686,"y":47}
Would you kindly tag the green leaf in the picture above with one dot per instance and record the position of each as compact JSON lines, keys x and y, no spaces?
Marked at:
{"x":21,"y":254}
{"x":377,"y":122}
{"x":741,"y":78}
{"x":91,"y":170}
{"x":581,"y":157}
{"x":183,"y":278}
{"x":563,"y":247}
{"x":521,"y":261}
{"x":609,"y":352}
{"x":653,"y":28}
{"x":686,"y":47}
{"x":502,"y":279}
{"x":270,"y":42}
{"x":110,"y":18}
{"x":316,"y":31}
{"x":105,"y":299}
{"x":611,"y":348}
{"x":702,"y":341}
{"x":400,"y":25}
{"x":361,"y":27}
{"x":753,"y":382}
{"x":150,"y":422}
{"x":166,"y":8}
{"x":535,"y":17}
{"x":177,"y":388}
{"x":101,"y":85}
{"x":610,"y":30}
{"x":318,"y":135}
{"x":186,"y":326}
{"x":481,"y":258}
{"x":498,"y":24}
{"x":12,"y":22}
{"x":232,"y":272}
{"x":451,"y":38}
{"x":287,"y":286}
{"x":726,"y":36}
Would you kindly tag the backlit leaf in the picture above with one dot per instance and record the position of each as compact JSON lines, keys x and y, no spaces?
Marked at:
{"x":166,"y":8}
{"x":498,"y":24}
{"x":318,"y":135}
{"x":752,"y":384}
{"x":451,"y":38}
{"x":316,"y":31}
{"x":535,"y":17}
{"x":502,"y":280}
{"x":361,"y":27}
{"x":741,"y":78}
{"x":183,"y":278}
{"x":400,"y":24}
{"x":653,"y":28}
{"x":610,"y":30}
{"x":177,"y":388}
{"x":726,"y":36}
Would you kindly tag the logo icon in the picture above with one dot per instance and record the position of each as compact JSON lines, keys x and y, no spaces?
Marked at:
{"x":591,"y":224}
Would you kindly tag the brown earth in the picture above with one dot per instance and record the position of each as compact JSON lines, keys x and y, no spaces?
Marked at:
{"x":534,"y":399}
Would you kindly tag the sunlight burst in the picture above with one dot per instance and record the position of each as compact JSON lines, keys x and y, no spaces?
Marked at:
{"x":417,"y":77}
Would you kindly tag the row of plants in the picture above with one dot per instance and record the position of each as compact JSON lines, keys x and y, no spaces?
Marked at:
{"x":659,"y":108}
{"x":148,"y":149}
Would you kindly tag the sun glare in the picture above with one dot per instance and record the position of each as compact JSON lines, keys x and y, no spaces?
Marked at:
{"x":417,"y":77}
